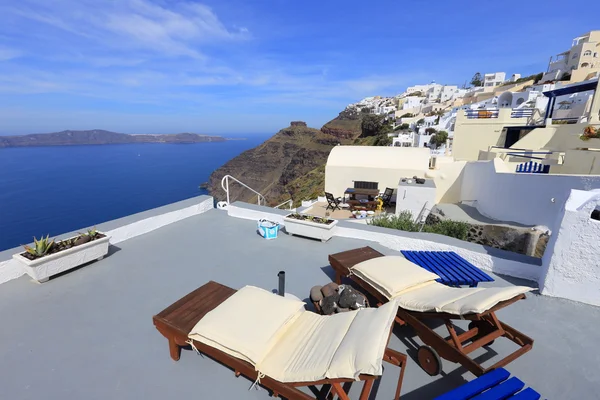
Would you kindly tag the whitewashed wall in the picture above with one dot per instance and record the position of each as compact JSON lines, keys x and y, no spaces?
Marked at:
{"x":124,"y":228}
{"x":571,"y":263}
{"x":531,"y":199}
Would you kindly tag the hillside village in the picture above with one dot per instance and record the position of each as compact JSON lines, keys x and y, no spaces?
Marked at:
{"x":417,"y":114}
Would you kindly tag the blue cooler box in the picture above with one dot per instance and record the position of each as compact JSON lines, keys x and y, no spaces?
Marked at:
{"x":268,"y":229}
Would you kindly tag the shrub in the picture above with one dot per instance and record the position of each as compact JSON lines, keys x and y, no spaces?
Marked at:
{"x":404,"y":222}
{"x":407,"y":115}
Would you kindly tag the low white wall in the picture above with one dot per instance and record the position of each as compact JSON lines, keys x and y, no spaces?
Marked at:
{"x":530,"y":199}
{"x":126,"y":228}
{"x":399,"y":240}
{"x":149,"y":224}
{"x":571,"y":264}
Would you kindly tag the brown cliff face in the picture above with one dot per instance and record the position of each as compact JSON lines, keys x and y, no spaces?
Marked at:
{"x":346,"y":126}
{"x":272,"y":166}
{"x":288,"y":165}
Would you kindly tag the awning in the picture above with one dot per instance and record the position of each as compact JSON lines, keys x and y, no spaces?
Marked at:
{"x":573,"y":88}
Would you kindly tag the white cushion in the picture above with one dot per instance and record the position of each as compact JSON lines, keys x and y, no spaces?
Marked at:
{"x":483,"y":300}
{"x":305,"y":352}
{"x":248,"y":323}
{"x":362,"y":349}
{"x":432,"y":296}
{"x":391,"y":275}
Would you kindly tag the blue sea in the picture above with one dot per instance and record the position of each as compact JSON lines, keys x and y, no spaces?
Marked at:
{"x":53,"y":190}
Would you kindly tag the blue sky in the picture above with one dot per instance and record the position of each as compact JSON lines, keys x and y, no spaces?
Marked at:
{"x":158,"y":66}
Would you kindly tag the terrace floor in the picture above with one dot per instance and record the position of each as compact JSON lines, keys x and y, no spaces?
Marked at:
{"x":88,"y":334}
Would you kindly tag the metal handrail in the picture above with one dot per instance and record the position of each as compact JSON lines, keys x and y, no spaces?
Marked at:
{"x":225,"y":186}
{"x":285,"y":202}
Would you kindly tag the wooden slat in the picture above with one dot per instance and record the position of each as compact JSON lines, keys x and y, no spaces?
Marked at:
{"x":503,"y":390}
{"x":527,"y":394}
{"x":476,"y":386}
{"x":452,"y":268}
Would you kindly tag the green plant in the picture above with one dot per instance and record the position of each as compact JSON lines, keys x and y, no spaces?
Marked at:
{"x":590,"y":132}
{"x":405,"y":222}
{"x":92,"y":232}
{"x":41,"y":247}
{"x":477,"y":80}
{"x":407,"y":115}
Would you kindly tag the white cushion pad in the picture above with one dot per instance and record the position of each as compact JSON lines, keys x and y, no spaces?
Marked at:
{"x":362,"y":349}
{"x":287,"y":343}
{"x":435,"y":297}
{"x":248,"y":323}
{"x":483,"y":300}
{"x":304,"y":353}
{"x":391,"y":275}
{"x":432,"y":296}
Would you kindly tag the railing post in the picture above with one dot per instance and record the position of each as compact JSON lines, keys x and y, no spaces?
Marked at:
{"x":227,"y":190}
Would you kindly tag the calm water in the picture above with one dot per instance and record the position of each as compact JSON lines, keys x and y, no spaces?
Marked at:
{"x":52,"y":190}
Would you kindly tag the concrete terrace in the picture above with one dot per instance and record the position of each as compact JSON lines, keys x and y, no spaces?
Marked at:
{"x":89,"y":335}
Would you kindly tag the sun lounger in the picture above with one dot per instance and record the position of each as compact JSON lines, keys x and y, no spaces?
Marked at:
{"x":421,"y":298}
{"x":277,"y":343}
{"x":494,"y":385}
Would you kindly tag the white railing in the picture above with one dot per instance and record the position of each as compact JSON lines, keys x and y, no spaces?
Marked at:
{"x":290,"y":202}
{"x":225,"y":186}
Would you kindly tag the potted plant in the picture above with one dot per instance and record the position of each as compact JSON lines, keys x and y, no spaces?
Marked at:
{"x":310,"y":226}
{"x":47,"y":257}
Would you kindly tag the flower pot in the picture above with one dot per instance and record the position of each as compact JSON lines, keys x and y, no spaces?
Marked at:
{"x":322,"y":232}
{"x":41,"y":269}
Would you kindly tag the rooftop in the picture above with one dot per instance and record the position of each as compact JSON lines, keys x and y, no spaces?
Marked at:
{"x":88,"y":334}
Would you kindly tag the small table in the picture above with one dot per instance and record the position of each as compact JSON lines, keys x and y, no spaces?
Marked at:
{"x":369,"y":205}
{"x":371,"y":193}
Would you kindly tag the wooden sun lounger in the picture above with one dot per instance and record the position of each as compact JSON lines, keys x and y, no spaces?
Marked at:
{"x":177,"y":320}
{"x":483,"y":329}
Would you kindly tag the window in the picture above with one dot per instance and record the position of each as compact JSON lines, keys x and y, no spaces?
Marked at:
{"x":585,"y":65}
{"x":587,"y":53}
{"x":575,"y":56}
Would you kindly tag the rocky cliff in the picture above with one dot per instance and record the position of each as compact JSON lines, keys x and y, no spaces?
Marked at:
{"x":346,"y":126}
{"x":288,"y":165}
{"x":98,"y":136}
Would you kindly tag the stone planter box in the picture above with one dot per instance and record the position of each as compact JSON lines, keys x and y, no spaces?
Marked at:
{"x":309,"y":229}
{"x":43,"y":268}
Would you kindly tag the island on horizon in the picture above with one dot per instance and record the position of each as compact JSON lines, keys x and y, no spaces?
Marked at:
{"x":99,"y":137}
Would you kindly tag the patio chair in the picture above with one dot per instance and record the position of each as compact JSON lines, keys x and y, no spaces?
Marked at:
{"x":332,"y":202}
{"x":421,"y":298}
{"x":387,"y":197}
{"x":275,"y":342}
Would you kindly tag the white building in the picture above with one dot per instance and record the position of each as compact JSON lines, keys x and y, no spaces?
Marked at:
{"x":492,"y":80}
{"x":581,"y":60}
{"x":404,"y":139}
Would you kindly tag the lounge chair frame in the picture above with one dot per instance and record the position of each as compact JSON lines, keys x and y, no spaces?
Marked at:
{"x":177,"y":320}
{"x":483,"y":330}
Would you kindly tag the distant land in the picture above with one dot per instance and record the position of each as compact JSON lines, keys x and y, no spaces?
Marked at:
{"x":98,"y":136}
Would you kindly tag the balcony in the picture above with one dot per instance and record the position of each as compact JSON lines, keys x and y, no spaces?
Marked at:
{"x":88,"y":334}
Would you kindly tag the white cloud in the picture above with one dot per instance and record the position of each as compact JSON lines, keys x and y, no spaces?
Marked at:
{"x":6,"y":53}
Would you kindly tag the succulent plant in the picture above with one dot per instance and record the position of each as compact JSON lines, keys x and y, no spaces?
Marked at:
{"x":92,"y":233}
{"x":41,"y":248}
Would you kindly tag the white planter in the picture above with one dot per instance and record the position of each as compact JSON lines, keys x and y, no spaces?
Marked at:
{"x":309,"y":229}
{"x":43,"y":268}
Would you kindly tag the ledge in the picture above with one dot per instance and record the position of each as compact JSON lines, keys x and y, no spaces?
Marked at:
{"x":122,"y":229}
